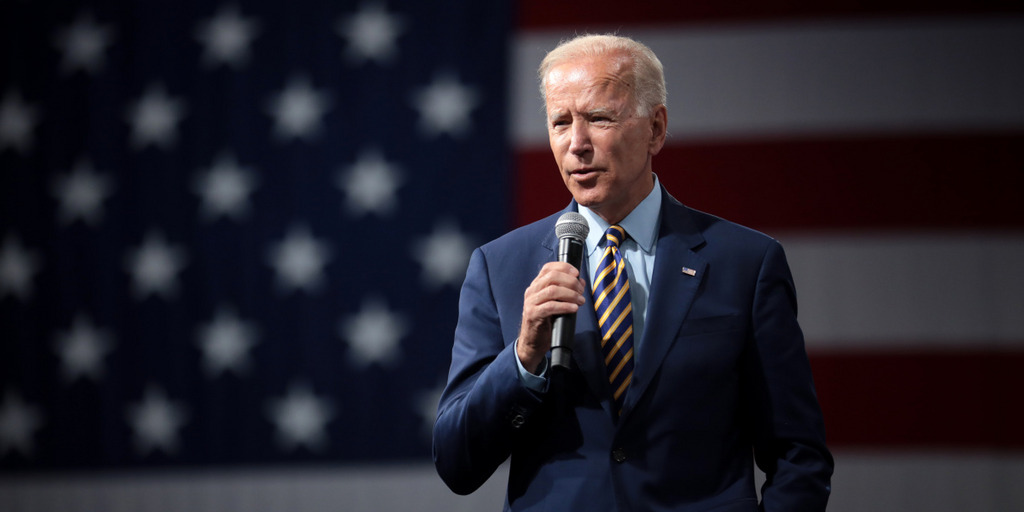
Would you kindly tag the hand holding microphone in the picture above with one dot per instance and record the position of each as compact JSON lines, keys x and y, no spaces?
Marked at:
{"x":572,"y":230}
{"x":551,"y":301}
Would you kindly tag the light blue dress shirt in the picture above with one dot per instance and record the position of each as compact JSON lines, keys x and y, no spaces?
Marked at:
{"x":638,"y":251}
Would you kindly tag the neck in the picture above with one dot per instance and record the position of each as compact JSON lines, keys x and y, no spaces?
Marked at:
{"x":615,"y":215}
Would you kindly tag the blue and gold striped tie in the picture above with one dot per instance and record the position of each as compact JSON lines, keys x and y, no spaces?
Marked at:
{"x":615,"y":315}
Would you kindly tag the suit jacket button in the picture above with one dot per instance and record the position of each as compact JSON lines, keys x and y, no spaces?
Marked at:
{"x":619,"y":455}
{"x":518,"y":420}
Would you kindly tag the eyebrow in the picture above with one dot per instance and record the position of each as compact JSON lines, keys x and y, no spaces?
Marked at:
{"x":599,"y":111}
{"x":555,"y":114}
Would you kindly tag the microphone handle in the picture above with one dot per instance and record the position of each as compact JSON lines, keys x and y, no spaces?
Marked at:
{"x":561,"y":340}
{"x":563,"y":328}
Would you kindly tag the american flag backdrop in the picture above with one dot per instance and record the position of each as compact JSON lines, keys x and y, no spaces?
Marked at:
{"x":232,"y":233}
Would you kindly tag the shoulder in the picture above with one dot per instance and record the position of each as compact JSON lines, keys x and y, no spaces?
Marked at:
{"x":516,"y":254}
{"x":710,"y":230}
{"x":539,"y":233}
{"x":505,"y":266}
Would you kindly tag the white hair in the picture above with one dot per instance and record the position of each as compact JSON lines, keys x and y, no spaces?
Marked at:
{"x":646,"y":70}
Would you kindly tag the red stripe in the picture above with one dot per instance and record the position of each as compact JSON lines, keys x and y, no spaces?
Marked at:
{"x":956,"y":400}
{"x":931,"y":182}
{"x":613,"y":14}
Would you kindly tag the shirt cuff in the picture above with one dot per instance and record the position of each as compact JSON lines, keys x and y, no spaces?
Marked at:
{"x":538,"y":383}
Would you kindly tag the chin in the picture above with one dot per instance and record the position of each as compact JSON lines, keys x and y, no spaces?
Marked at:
{"x":588,"y":198}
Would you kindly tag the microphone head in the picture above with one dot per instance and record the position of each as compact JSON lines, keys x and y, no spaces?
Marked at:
{"x":572,"y":225}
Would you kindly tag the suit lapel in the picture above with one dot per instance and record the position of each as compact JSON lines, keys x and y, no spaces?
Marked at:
{"x":678,"y":272}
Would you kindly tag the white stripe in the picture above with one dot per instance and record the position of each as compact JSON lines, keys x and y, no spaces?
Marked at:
{"x":936,"y":482}
{"x":814,"y":77}
{"x":353,"y":489}
{"x":902,"y":290}
{"x":893,"y":482}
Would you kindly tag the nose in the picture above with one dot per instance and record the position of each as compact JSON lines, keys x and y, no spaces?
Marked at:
{"x":580,"y":142}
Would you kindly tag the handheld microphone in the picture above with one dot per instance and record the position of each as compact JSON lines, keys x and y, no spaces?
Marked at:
{"x":572,"y":230}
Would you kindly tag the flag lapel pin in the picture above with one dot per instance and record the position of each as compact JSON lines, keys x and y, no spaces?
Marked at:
{"x":689,"y":271}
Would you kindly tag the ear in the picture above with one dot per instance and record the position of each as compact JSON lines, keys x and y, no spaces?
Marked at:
{"x":659,"y":129}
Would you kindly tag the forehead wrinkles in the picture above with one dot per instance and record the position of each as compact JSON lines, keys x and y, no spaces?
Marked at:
{"x":578,"y":89}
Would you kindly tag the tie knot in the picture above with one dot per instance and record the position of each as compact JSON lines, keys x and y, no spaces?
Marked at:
{"x":614,"y":236}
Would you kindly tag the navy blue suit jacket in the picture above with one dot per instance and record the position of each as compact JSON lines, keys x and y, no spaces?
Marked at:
{"x":721,"y":378}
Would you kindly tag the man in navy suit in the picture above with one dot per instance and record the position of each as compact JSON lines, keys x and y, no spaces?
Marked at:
{"x":716,"y":376}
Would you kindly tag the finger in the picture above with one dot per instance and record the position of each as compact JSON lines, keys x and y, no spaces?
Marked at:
{"x":554,"y":289}
{"x":559,"y":267}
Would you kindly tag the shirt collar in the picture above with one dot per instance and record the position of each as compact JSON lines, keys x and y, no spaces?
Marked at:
{"x":641,"y":224}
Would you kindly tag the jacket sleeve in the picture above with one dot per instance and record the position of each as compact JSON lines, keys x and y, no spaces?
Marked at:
{"x":484,"y":402}
{"x":789,"y":432}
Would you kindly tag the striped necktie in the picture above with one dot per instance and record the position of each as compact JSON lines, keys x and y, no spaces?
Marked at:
{"x":615,"y":315}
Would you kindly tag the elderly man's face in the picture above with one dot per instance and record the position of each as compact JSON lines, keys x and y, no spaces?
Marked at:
{"x":602,"y":148}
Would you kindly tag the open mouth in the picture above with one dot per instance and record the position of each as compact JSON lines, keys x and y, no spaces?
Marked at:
{"x":582,"y":174}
